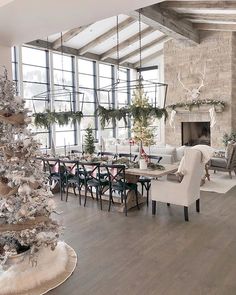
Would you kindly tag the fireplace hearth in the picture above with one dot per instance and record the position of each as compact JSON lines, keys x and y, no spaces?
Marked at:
{"x":196,"y":133}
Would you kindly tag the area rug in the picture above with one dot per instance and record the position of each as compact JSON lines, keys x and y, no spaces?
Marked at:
{"x":53,"y":268}
{"x":219,"y":183}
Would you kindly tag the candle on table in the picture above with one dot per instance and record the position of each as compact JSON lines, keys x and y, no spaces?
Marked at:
{"x":69,"y":149}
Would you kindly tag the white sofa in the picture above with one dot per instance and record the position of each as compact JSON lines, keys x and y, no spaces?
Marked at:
{"x":169,"y":154}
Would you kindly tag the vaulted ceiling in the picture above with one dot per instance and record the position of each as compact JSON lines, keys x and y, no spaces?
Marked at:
{"x":181,"y":20}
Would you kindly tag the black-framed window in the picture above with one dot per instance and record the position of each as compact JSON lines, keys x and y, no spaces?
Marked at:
{"x":14,"y":62}
{"x":124,"y":99}
{"x":63,"y":81}
{"x":107,"y":99}
{"x":88,"y":101}
{"x":35,"y":71}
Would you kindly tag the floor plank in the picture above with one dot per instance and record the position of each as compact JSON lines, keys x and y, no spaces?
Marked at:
{"x":152,"y":255}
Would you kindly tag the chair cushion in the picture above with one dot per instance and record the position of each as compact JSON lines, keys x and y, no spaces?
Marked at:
{"x":218,"y":162}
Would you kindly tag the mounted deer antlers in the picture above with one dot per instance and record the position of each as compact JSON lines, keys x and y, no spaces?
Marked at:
{"x":195,"y":92}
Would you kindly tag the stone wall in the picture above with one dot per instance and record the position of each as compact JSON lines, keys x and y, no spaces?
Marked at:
{"x":216,"y":52}
{"x":233,"y":100}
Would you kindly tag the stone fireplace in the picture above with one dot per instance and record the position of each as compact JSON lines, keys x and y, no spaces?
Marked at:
{"x":196,"y":133}
{"x":217,"y":53}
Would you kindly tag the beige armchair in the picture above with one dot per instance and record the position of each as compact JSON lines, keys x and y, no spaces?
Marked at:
{"x":226,"y":164}
{"x":187,"y":191}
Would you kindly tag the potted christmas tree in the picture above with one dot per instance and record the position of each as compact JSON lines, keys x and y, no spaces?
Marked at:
{"x":143,"y":133}
{"x":89,"y":146}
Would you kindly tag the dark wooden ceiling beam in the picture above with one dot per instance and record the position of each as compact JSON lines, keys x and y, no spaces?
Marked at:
{"x":209,"y":17}
{"x":215,"y":27}
{"x":143,"y":48}
{"x":126,"y":43}
{"x":108,"y":34}
{"x":149,"y":58}
{"x":68,"y":36}
{"x":216,"y":5}
{"x":168,"y":23}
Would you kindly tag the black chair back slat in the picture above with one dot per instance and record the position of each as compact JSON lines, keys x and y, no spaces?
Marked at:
{"x":132,"y":157}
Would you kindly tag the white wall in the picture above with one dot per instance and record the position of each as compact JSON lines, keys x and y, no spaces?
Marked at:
{"x":5,"y":60}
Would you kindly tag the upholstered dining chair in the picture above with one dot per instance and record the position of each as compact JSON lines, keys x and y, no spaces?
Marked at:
{"x":145,"y":181}
{"x":187,"y":191}
{"x":226,"y":164}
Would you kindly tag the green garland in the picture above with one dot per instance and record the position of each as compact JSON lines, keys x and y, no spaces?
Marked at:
{"x":47,"y":118}
{"x":108,"y":115}
{"x":229,"y":137}
{"x":196,"y":103}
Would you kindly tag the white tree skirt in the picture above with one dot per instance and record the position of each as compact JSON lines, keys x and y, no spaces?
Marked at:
{"x":53,"y":268}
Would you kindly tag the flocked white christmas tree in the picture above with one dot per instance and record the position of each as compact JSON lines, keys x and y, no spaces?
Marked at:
{"x":25,"y":198}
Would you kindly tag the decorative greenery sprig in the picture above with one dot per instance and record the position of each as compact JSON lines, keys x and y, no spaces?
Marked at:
{"x":107,"y":115}
{"x":196,"y":103}
{"x":61,"y":118}
{"x":229,"y":137}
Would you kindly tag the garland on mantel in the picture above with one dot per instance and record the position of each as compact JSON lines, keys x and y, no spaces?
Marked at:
{"x":196,"y":103}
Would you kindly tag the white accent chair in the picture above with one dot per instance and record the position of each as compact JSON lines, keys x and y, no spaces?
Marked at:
{"x":187,"y":191}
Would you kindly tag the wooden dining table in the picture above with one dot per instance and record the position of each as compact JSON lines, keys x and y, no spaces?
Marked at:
{"x":133,"y":175}
{"x":169,"y":168}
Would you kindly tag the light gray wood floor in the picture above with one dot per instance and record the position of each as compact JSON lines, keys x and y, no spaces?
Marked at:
{"x":145,"y":255}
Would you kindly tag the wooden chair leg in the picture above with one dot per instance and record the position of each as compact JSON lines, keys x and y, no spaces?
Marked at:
{"x":186,"y":213}
{"x":230,"y":174}
{"x":198,"y":205}
{"x":148,"y":189}
{"x":100,"y":193}
{"x":74,"y":187}
{"x":67,"y":191}
{"x":85,"y":195}
{"x":79,"y":189}
{"x":110,"y":200}
{"x":125,"y":198}
{"x":142,"y":188}
{"x":154,"y":205}
{"x":136,"y":196}
{"x":61,"y":189}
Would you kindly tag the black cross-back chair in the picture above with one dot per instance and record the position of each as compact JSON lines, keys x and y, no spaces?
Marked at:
{"x":56,"y":172}
{"x":132,"y":157}
{"x":145,"y":181}
{"x":71,"y":176}
{"x":118,"y":182}
{"x":91,"y":175}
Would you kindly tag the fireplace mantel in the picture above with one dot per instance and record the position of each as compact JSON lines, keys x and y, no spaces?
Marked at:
{"x":198,"y":109}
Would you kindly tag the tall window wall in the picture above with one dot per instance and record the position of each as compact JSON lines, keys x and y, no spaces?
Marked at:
{"x":35,"y":80}
{"x":123,"y":99}
{"x":106,"y":98}
{"x":64,"y":96}
{"x":87,"y":98}
{"x":42,"y":70}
